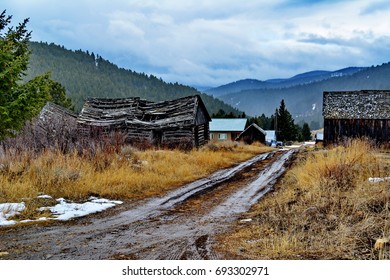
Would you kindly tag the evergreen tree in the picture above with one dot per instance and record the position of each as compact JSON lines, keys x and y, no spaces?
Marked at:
{"x":285,"y":127}
{"x":13,"y":62}
{"x":298,"y":133}
{"x":19,"y":102}
{"x":263,"y":121}
{"x":58,"y":93}
{"x":306,"y":133}
{"x":220,"y":114}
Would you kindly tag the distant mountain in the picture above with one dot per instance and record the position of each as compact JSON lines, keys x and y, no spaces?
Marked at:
{"x":304,"y":100}
{"x":300,"y":79}
{"x":85,"y":74}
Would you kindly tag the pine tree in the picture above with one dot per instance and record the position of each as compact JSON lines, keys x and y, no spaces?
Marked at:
{"x":306,"y":133}
{"x":19,"y":102}
{"x":13,"y":62}
{"x":285,"y":127}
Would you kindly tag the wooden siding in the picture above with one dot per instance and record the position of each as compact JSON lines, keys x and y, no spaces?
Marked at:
{"x":56,"y":126}
{"x":337,"y":130}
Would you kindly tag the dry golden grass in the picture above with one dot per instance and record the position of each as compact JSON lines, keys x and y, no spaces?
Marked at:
{"x":324,"y":208}
{"x":126,"y":174}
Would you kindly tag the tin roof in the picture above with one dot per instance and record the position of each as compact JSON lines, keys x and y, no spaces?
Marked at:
{"x":237,"y":125}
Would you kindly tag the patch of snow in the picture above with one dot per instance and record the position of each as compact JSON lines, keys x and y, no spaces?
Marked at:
{"x":44,"y":196}
{"x":104,"y":200}
{"x":378,"y":180}
{"x":39,"y":219}
{"x":64,"y":210}
{"x":8,"y":210}
{"x":292,"y":147}
{"x":67,"y":210}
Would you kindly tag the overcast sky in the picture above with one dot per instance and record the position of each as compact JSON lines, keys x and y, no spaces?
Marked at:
{"x":214,"y":42}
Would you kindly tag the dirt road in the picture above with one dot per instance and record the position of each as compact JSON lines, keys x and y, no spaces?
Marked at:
{"x":178,"y":225}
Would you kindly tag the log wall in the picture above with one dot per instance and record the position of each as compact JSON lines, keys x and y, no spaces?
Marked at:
{"x":337,"y":130}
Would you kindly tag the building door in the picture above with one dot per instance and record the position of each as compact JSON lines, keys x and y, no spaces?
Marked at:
{"x":157,"y":137}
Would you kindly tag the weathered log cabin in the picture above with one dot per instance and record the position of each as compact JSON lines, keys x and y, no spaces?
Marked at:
{"x":181,"y":122}
{"x":357,"y":114}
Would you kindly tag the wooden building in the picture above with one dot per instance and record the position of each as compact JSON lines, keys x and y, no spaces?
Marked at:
{"x":252,"y":133}
{"x":56,"y":126}
{"x":54,"y":113}
{"x":357,"y":114}
{"x":182,"y":122}
{"x":227,"y":129}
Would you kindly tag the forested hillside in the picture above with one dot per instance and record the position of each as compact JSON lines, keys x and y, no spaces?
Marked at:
{"x":305,"y":101}
{"x":85,"y":74}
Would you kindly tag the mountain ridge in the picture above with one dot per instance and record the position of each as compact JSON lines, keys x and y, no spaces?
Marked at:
{"x":302,"y":78}
{"x":304,"y":101}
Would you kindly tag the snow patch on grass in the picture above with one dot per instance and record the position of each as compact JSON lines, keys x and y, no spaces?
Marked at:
{"x":64,"y":210}
{"x":8,"y":210}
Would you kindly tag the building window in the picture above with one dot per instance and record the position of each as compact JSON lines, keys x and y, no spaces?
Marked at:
{"x":222,"y":136}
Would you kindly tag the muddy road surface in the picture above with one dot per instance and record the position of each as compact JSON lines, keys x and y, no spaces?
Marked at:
{"x":178,"y":225}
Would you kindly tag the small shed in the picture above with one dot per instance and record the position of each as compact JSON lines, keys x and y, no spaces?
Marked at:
{"x":252,"y":133}
{"x":356,"y":114}
{"x":227,"y":129}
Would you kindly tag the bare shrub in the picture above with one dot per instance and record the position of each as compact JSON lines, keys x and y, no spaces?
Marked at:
{"x":221,"y":146}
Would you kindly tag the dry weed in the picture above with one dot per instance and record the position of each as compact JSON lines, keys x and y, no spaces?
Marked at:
{"x":117,"y":172}
{"x":324,"y":208}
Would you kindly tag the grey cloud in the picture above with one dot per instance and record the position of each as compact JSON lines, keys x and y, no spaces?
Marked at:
{"x":214,"y":42}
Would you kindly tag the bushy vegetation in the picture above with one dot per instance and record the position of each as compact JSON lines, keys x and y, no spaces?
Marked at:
{"x":324,"y":208}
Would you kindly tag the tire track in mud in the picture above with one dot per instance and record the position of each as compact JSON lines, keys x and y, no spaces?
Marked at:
{"x":178,"y":225}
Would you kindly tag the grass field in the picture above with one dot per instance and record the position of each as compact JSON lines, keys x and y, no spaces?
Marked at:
{"x":324,"y":208}
{"x":125,"y":173}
